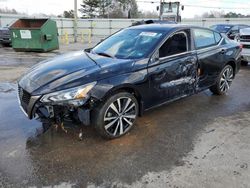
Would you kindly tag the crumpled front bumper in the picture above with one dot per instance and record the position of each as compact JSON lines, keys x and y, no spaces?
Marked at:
{"x":31,"y":107}
{"x":27,"y":102}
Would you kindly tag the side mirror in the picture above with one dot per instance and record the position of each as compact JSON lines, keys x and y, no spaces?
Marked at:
{"x":155,"y":57}
{"x":182,"y":7}
{"x":88,"y":50}
{"x":157,"y":8}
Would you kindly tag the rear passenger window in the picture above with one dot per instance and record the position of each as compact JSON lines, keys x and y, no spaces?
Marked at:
{"x":217,"y":37}
{"x":204,"y":38}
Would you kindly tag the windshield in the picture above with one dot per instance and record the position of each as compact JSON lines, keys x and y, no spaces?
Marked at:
{"x":221,"y":28}
{"x":128,"y":44}
{"x":170,"y":7}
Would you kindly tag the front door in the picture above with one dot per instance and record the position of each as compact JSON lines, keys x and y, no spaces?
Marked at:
{"x":174,"y":74}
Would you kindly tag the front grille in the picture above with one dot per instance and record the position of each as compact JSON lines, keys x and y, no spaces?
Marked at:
{"x":24,"y":98}
{"x":5,"y":36}
{"x":245,"y":46}
{"x":6,"y":32}
{"x":245,"y":38}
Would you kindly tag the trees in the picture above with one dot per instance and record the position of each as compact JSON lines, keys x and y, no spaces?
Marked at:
{"x":104,"y":7}
{"x":148,"y":14}
{"x":128,"y":6}
{"x":235,"y":15}
{"x":68,"y":14}
{"x":109,"y":8}
{"x":221,"y":14}
{"x":8,"y":11}
{"x":213,"y":14}
{"x":90,"y":8}
{"x":133,"y":9}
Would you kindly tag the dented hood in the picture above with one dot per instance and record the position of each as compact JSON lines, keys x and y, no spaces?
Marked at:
{"x":71,"y":70}
{"x":53,"y":69}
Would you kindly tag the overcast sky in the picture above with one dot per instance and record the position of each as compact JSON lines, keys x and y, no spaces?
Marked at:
{"x":56,"y":7}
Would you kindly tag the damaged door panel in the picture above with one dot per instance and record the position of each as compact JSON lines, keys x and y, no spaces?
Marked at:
{"x":174,"y":73}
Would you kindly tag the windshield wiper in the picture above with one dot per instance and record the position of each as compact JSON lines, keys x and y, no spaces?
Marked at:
{"x":91,"y":58}
{"x":104,"y":54}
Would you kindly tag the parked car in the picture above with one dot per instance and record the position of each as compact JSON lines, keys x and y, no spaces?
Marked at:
{"x":244,"y":39}
{"x":231,"y":30}
{"x":5,"y":38}
{"x":133,"y":70}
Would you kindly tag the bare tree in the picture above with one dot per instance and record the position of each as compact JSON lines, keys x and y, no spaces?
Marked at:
{"x":8,"y":11}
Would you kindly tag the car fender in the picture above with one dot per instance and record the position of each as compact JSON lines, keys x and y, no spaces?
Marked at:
{"x":134,"y":81}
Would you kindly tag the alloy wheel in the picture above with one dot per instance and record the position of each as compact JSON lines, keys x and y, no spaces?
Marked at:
{"x":120,"y":116}
{"x":226,"y":79}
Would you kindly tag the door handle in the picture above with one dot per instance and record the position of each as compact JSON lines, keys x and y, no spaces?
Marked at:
{"x":160,"y":75}
{"x":223,"y":50}
{"x":191,"y":60}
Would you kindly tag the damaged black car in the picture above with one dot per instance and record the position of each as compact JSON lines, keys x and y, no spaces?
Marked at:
{"x":131,"y":71}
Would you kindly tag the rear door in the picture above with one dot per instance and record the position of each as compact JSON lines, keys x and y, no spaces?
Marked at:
{"x":173,"y":69}
{"x":211,"y":55}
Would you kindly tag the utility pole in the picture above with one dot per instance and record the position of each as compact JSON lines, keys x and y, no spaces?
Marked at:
{"x":75,"y":20}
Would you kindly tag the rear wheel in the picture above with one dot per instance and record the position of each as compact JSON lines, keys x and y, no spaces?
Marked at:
{"x":116,"y":116}
{"x":224,"y":81}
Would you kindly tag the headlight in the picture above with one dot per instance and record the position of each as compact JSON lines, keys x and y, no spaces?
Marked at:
{"x":69,"y":95}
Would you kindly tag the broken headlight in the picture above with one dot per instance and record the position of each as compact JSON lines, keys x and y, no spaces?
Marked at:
{"x":74,"y":96}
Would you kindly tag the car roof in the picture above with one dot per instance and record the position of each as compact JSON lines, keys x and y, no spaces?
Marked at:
{"x":162,"y":27}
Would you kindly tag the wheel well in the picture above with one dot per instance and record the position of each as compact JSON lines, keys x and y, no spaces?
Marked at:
{"x":232,"y":63}
{"x":129,"y":90}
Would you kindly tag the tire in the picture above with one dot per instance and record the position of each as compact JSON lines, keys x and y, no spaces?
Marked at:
{"x":116,"y":116}
{"x":224,"y":81}
{"x":244,"y":63}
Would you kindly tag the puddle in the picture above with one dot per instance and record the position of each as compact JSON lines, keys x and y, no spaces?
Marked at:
{"x":15,"y":130}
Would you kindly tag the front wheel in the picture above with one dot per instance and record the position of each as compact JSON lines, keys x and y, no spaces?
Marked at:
{"x":224,"y":81}
{"x":116,"y":116}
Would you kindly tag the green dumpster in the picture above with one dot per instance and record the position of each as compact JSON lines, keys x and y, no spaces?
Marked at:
{"x":34,"y":35}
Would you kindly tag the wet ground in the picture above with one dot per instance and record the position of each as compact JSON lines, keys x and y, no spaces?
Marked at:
{"x":199,"y":141}
{"x":14,"y":64}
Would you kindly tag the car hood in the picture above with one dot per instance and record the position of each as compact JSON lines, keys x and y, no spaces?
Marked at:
{"x":71,"y":70}
{"x":245,"y":31}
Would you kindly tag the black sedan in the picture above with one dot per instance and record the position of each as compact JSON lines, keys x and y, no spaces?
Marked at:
{"x":134,"y":70}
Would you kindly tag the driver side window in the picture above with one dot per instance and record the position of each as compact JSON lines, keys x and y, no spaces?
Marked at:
{"x":176,"y":44}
